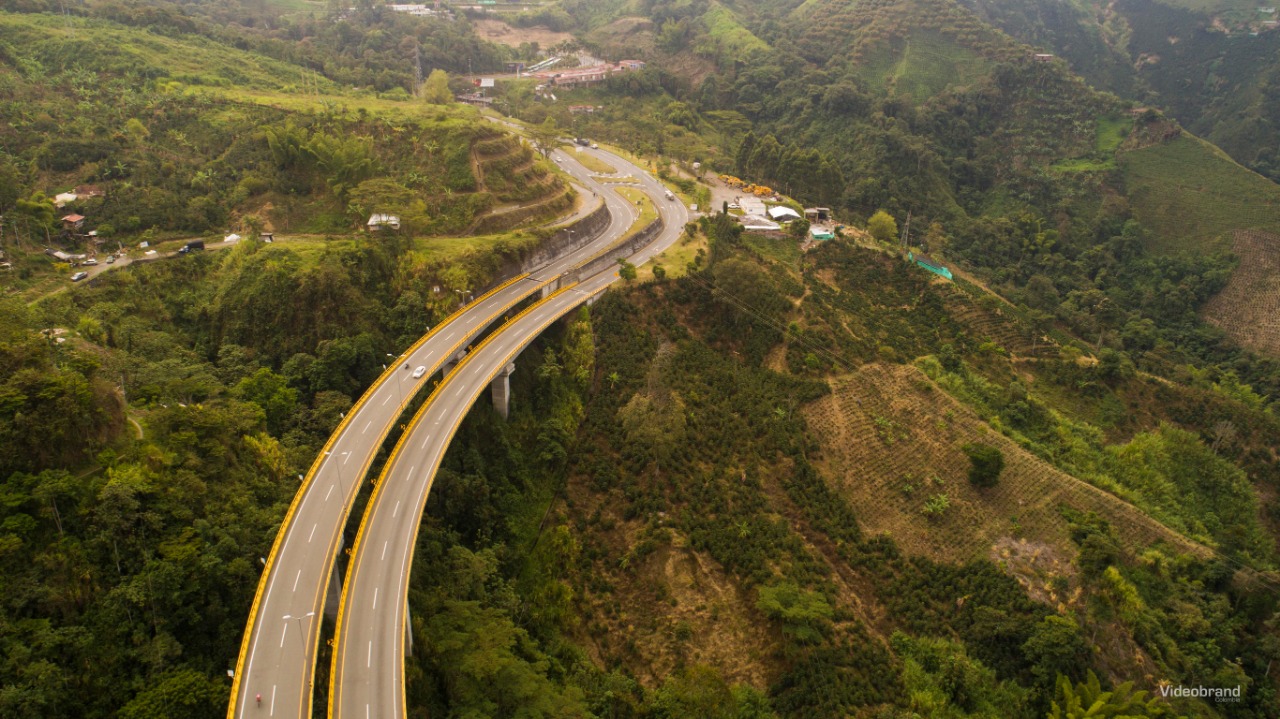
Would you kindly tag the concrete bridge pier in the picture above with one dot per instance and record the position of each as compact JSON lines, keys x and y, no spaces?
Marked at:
{"x":502,"y":390}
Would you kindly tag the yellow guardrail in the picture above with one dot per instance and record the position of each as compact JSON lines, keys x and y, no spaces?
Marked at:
{"x":626,"y":237}
{"x":379,"y":483}
{"x":315,"y":466}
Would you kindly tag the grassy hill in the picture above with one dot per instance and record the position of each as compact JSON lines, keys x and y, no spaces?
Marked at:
{"x":923,"y":65}
{"x":1193,"y":196}
{"x":186,"y":136}
{"x":40,"y":43}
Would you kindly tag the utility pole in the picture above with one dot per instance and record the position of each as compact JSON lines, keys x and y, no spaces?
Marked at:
{"x":417,"y":65}
{"x":906,"y":232}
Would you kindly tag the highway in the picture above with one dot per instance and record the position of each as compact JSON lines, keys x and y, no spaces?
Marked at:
{"x":368,"y":673}
{"x":276,"y":665}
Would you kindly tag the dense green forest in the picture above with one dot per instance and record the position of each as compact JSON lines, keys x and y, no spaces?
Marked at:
{"x":773,"y":484}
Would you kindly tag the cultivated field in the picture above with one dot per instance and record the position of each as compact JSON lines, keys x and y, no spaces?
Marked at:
{"x":1190,"y":196}
{"x":1248,"y":309}
{"x":504,"y":34}
{"x":891,"y":441}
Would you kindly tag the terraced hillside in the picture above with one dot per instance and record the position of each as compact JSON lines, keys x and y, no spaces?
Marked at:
{"x":1248,"y":309}
{"x":523,"y":185}
{"x":891,"y":440}
{"x":1193,"y":196}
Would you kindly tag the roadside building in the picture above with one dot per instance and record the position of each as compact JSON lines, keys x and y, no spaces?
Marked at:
{"x":752,"y":206}
{"x":476,"y":98}
{"x":782,"y":213}
{"x":380,"y":221}
{"x":587,"y":76}
{"x":756,"y":223}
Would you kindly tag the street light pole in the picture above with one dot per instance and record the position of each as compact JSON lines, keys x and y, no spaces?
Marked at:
{"x":301,"y":638}
{"x":398,"y":385}
{"x":340,"y":480}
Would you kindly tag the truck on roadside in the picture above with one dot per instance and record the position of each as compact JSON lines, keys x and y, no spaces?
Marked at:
{"x":191,"y":246}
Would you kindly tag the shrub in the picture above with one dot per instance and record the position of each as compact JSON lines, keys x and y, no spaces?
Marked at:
{"x":987,"y":463}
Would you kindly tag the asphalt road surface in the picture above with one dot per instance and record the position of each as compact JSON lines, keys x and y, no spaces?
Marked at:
{"x":277,"y":658}
{"x":368,"y":675}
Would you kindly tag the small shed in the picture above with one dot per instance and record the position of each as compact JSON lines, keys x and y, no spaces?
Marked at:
{"x":821,"y":233}
{"x":818,"y":214}
{"x":72,"y":222}
{"x":380,"y":221}
{"x":758,"y":223}
{"x":782,"y":213}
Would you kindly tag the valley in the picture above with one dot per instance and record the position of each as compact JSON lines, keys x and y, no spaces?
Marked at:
{"x":724,"y":359}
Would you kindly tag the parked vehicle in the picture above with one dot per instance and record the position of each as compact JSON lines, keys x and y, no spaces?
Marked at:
{"x":79,"y":276}
{"x":111,"y":259}
{"x":90,"y":262}
{"x":192,"y":246}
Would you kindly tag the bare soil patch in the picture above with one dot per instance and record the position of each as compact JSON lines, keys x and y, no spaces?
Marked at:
{"x":504,"y":34}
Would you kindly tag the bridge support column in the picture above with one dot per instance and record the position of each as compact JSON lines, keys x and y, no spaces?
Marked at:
{"x":334,"y":595}
{"x":502,"y":390}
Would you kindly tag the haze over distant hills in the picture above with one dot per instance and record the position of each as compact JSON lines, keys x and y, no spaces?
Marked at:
{"x":999,"y":439}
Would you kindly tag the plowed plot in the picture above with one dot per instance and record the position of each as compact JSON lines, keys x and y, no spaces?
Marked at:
{"x":892,"y":440}
{"x":1248,"y":309}
{"x":500,"y":32}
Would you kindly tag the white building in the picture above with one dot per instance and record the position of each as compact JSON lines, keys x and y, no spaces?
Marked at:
{"x":380,"y":221}
{"x":783,"y":214}
{"x":758,"y":224}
